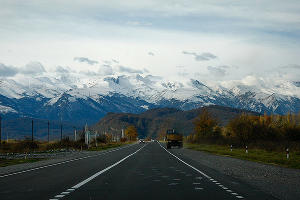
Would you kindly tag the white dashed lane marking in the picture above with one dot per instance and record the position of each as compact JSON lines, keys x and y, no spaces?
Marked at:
{"x":97,"y":174}
{"x":65,"y":193}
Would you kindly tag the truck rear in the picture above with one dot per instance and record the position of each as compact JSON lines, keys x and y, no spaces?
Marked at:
{"x":173,"y":139}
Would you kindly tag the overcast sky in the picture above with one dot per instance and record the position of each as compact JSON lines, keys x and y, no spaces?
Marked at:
{"x":210,"y":40}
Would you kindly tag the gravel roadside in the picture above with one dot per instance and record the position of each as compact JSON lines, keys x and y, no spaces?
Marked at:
{"x":282,"y":183}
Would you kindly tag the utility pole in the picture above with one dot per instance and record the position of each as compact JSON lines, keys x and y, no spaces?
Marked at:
{"x":61,"y":132}
{"x":32,"y":131}
{"x":96,"y":139}
{"x":0,"y":130}
{"x":75,"y":134}
{"x":48,"y":130}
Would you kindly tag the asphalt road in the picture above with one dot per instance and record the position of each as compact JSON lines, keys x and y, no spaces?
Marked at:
{"x":141,"y":171}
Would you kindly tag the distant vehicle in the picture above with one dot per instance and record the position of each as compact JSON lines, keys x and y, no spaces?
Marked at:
{"x":173,"y":138}
{"x":142,"y":141}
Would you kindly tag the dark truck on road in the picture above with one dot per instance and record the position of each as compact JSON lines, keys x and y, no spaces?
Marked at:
{"x":173,"y":139}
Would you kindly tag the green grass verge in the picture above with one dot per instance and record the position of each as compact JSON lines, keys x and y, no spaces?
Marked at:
{"x":7,"y":162}
{"x":257,"y":155}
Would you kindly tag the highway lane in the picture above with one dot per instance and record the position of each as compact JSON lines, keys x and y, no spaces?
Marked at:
{"x":46,"y":182}
{"x":141,"y":171}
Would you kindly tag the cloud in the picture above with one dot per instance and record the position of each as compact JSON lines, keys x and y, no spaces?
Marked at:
{"x":288,"y":72}
{"x":89,"y":73}
{"x":183,"y":73}
{"x":146,"y":70}
{"x":106,"y":70}
{"x":293,"y":66}
{"x":115,"y":61}
{"x":85,"y":60}
{"x":138,"y":23}
{"x":63,"y":70}
{"x":129,"y":70}
{"x":151,"y":53}
{"x":33,"y":68}
{"x":201,"y":57}
{"x":217,"y":71}
{"x":7,"y":71}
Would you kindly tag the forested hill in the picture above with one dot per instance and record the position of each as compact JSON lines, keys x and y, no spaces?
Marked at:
{"x":155,"y":121}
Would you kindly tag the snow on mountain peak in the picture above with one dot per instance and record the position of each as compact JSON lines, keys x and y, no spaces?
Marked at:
{"x":150,"y":89}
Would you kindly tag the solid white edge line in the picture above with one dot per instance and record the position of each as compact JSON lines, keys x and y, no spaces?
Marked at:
{"x":104,"y":170}
{"x":63,"y":162}
{"x":205,"y":175}
{"x":202,"y":173}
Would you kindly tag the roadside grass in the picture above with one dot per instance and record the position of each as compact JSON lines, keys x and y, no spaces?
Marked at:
{"x":104,"y":146}
{"x":257,"y":155}
{"x":7,"y":162}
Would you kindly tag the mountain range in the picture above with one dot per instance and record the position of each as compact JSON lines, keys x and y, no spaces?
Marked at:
{"x":80,"y":101}
{"x":155,"y":121}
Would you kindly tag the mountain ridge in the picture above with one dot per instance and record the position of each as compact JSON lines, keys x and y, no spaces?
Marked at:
{"x":86,"y":101}
{"x":157,"y":120}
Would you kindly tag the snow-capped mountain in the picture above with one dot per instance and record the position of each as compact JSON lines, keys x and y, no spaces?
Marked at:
{"x":87,"y":100}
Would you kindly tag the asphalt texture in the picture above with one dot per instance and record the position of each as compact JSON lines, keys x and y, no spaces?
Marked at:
{"x":141,"y":171}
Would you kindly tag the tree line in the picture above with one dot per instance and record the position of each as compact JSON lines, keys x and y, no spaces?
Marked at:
{"x":246,"y":129}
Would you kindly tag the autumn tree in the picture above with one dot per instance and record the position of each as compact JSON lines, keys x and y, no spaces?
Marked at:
{"x":204,"y":126}
{"x":242,"y":128}
{"x":131,"y":133}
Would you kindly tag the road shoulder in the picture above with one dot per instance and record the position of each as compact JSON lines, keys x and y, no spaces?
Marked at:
{"x":280,"y":182}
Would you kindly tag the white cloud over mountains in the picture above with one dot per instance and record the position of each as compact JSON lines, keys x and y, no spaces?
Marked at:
{"x":218,"y":71}
{"x":32,"y":68}
{"x":201,"y":57}
{"x":152,"y":37}
{"x":86,"y":60}
{"x":7,"y":71}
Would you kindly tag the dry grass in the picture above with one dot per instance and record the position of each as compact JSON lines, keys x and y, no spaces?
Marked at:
{"x":257,"y":155}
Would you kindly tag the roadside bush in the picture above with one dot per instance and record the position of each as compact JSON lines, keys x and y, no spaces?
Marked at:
{"x":25,"y":146}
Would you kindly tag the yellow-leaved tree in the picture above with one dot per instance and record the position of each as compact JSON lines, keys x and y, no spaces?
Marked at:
{"x":205,"y":126}
{"x":131,"y":133}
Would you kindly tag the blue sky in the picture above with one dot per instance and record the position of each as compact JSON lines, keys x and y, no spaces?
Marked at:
{"x":249,"y":40}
